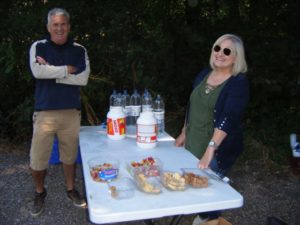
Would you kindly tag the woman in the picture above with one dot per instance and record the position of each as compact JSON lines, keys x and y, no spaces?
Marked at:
{"x":212,"y":129}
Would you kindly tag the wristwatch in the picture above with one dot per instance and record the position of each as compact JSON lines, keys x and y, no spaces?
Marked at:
{"x":213,"y":144}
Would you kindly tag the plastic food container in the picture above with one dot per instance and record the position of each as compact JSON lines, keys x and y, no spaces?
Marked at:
{"x":173,"y":180}
{"x":121,"y":188}
{"x":195,"y":177}
{"x":149,"y":166}
{"x":150,"y":185}
{"x":103,"y":169}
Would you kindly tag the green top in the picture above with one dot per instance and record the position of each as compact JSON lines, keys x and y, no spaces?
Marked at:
{"x":199,"y":127}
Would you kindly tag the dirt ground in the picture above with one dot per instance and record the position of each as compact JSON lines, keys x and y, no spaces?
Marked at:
{"x":266,"y":193}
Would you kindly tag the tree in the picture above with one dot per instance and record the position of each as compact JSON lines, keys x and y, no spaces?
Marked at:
{"x":160,"y":45}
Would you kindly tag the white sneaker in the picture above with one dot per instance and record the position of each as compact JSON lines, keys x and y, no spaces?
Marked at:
{"x":198,"y":220}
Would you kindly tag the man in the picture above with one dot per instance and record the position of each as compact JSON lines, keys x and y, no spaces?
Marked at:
{"x":60,"y":66}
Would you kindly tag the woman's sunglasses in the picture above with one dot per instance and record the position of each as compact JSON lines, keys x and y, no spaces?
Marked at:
{"x":226,"y":51}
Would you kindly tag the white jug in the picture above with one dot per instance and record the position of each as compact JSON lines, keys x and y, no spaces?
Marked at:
{"x":146,"y":130}
{"x":116,"y":123}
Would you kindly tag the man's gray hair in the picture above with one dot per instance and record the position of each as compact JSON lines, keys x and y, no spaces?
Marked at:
{"x":58,"y":11}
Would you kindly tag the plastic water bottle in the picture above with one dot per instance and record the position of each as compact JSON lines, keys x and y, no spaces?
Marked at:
{"x":126,"y":106}
{"x":112,"y":98}
{"x":118,"y":100}
{"x":295,"y":159}
{"x":159,"y":113}
{"x":147,"y":101}
{"x":135,"y":106}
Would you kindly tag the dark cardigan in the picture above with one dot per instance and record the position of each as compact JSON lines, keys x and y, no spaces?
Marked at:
{"x":228,"y":114}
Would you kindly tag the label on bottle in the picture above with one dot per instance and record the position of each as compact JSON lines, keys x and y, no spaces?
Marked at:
{"x":116,"y":126}
{"x":159,"y":115}
{"x":160,"y":118}
{"x":127,"y":110}
{"x":135,"y":110}
{"x":147,"y":108}
{"x":146,"y":133}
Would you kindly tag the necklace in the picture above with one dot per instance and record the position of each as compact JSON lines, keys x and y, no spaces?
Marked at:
{"x":209,"y":88}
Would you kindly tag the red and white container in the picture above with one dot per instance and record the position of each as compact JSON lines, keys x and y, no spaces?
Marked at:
{"x":146,"y":130}
{"x":116,"y":123}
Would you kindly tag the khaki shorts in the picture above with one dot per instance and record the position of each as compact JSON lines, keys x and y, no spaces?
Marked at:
{"x":65,"y":124}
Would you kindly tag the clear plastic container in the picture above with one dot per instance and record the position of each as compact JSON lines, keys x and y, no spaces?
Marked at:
{"x":173,"y":180}
{"x":103,"y":169}
{"x":121,"y":188}
{"x":195,"y":177}
{"x":150,"y":185}
{"x":149,"y":166}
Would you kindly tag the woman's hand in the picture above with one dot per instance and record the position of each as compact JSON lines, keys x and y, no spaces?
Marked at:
{"x":179,"y":142}
{"x":217,"y":138}
{"x":206,"y":158}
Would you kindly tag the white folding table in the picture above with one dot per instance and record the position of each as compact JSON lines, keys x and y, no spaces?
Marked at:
{"x":103,"y":208}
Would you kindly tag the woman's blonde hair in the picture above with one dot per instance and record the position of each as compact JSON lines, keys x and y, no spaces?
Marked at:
{"x":240,"y":64}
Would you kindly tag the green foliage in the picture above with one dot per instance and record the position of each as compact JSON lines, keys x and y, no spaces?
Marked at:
{"x":162,"y":45}
{"x":19,"y":119}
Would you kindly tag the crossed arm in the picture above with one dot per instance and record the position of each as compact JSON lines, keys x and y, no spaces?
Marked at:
{"x":65,"y":74}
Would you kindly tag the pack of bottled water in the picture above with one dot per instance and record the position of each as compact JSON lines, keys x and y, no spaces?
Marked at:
{"x":136,"y":103}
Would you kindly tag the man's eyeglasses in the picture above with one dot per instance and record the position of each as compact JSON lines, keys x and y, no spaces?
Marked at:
{"x":226,"y":51}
